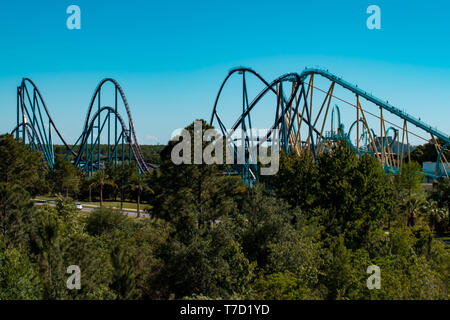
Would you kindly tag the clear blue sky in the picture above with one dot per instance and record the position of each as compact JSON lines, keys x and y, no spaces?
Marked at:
{"x":171,"y":56}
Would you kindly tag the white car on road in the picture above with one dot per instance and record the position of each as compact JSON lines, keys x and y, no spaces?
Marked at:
{"x":78,"y":205}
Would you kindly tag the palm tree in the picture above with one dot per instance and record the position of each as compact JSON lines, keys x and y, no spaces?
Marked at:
{"x":101,"y":179}
{"x":91,"y":184}
{"x":413,"y":206}
{"x":139,"y":185}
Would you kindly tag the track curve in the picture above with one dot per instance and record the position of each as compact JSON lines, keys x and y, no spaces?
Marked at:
{"x":385,"y":145}
{"x":35,"y":123}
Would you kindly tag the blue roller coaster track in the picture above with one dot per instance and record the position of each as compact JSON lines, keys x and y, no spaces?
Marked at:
{"x":35,"y":127}
{"x":295,"y":119}
{"x":301,"y":126}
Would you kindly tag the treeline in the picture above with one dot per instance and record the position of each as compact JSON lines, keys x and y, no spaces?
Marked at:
{"x":310,"y":232}
{"x":150,"y":152}
{"x":428,"y":152}
{"x":123,"y":182}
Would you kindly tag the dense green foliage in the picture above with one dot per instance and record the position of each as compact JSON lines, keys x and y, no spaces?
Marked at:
{"x":310,"y":233}
{"x":428,"y":152}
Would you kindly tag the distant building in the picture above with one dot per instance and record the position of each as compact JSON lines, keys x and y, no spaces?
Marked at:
{"x":430,"y":168}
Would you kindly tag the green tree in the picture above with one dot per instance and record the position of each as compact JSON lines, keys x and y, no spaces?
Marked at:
{"x":343,"y":193}
{"x":138,"y":185}
{"x":441,"y":194}
{"x":19,"y":165}
{"x":121,"y":174}
{"x":65,"y":177}
{"x":427,"y":152}
{"x":19,"y":278}
{"x":297,"y":180}
{"x":16,"y":210}
{"x":345,"y":273}
{"x":46,"y":246}
{"x":356,"y":194}
{"x":409,"y":179}
{"x":100,"y":180}
{"x":280,"y":286}
{"x":191,"y":196}
{"x":409,"y":194}
{"x":123,"y":276}
{"x":212,"y":264}
{"x":150,"y":237}
{"x":105,"y":220}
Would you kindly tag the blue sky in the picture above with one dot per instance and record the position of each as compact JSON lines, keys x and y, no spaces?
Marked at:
{"x":171,"y":57}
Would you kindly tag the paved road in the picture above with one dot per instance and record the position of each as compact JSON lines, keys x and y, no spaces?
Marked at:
{"x":90,"y":208}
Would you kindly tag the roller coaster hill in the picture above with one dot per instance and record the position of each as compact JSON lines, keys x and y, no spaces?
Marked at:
{"x":311,"y":111}
{"x":110,"y":125}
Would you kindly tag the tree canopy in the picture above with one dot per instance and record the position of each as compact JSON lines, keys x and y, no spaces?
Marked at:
{"x":309,"y":232}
